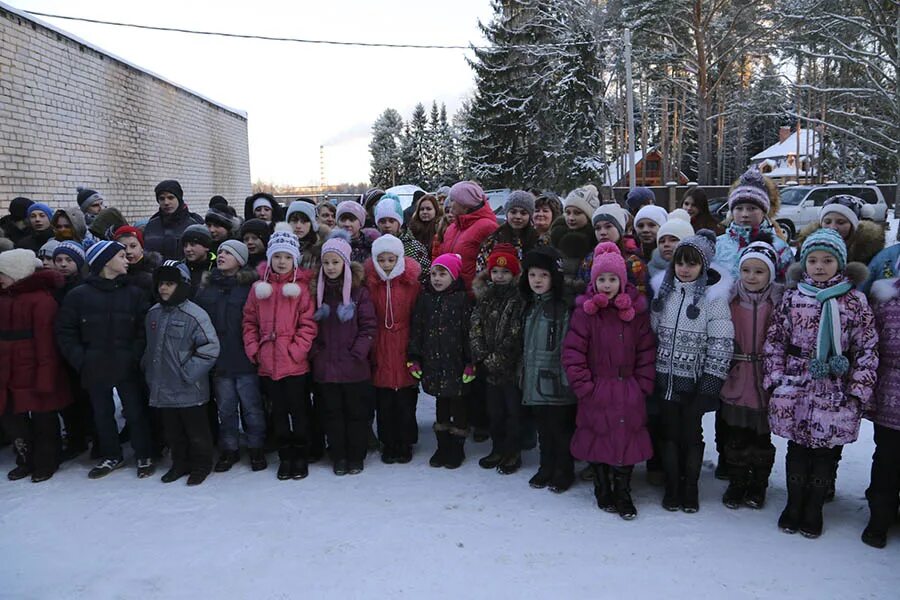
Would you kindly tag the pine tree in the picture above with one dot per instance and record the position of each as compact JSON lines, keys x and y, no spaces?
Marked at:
{"x":385,"y":149}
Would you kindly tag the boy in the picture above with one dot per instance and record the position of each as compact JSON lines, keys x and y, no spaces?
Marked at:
{"x":196,"y":243}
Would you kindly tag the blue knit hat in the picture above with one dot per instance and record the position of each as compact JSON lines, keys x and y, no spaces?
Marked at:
{"x":101,"y":253}
{"x":73,"y":250}
{"x":825,"y":240}
{"x":41,"y":207}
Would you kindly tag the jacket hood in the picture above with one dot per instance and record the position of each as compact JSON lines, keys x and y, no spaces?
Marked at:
{"x":856,"y":273}
{"x":411,"y":273}
{"x":277,"y":209}
{"x":76,"y":218}
{"x":484,"y":211}
{"x":42,"y":279}
{"x":863,"y":245}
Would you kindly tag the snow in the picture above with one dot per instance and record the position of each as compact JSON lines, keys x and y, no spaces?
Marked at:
{"x":789,"y":146}
{"x":618,"y":169}
{"x":410,"y":530}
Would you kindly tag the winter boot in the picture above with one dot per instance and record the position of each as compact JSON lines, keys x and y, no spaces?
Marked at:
{"x":173,"y":474}
{"x":340,"y":467}
{"x":739,"y":482}
{"x":491,"y":461}
{"x":456,"y":448}
{"x":145,"y":468}
{"x":286,"y":466}
{"x":404,"y":454}
{"x":882,"y":509}
{"x":821,"y":473}
{"x":258,"y":460}
{"x":23,"y":461}
{"x":690,"y":493}
{"x":541,"y":479}
{"x":563,"y":472}
{"x":388,"y":454}
{"x":510,"y":464}
{"x":586,"y":474}
{"x":761,"y":461}
{"x":830,"y":492}
{"x":443,"y":443}
{"x":355,"y":467}
{"x":197,"y":478}
{"x":227,"y":459}
{"x":602,"y":488}
{"x":299,"y":464}
{"x":672,"y":468}
{"x":622,"y":492}
{"x":797,"y":467}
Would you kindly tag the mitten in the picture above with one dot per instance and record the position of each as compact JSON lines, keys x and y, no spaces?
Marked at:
{"x":414,"y":369}
{"x":468,"y":374}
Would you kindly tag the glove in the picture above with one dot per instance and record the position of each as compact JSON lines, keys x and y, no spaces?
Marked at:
{"x":468,"y":374}
{"x":414,"y":369}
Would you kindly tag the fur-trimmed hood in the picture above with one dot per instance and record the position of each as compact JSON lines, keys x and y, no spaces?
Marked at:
{"x":864,"y":243}
{"x":411,"y":273}
{"x":483,"y":288}
{"x":245,"y":276}
{"x":884,"y":290}
{"x":856,"y":273}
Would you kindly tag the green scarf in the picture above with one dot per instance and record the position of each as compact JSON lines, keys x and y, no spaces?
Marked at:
{"x":829,"y":358}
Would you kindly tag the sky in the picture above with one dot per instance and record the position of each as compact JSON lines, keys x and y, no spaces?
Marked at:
{"x":296,"y":96}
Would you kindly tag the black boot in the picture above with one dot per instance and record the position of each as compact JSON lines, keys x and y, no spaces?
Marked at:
{"x":510,"y":464}
{"x":285,"y":467}
{"x":622,"y":492}
{"x":672,"y":469}
{"x":820,"y":480}
{"x":23,"y":461}
{"x":882,"y":510}
{"x":492,"y":460}
{"x":797,"y":468}
{"x":690,"y":492}
{"x":738,"y":484}
{"x":227,"y":459}
{"x":258,"y":459}
{"x":443,"y":442}
{"x":602,"y":488}
{"x":761,"y":461}
{"x":830,"y":492}
{"x":541,"y":479}
{"x":300,"y":463}
{"x":456,"y":444}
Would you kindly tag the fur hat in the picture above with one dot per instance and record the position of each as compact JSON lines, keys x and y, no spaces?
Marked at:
{"x":388,"y":244}
{"x":171,"y":186}
{"x":353,"y":208}
{"x":750,"y":189}
{"x":87,"y":197}
{"x":197,"y":234}
{"x":608,"y":259}
{"x":657,"y":214}
{"x":520,"y":199}
{"x":236,"y":249}
{"x":389,"y":208}
{"x":467,"y":194}
{"x":825,"y":240}
{"x":611,"y":213}
{"x":101,"y":253}
{"x":18,"y":263}
{"x":504,"y":256}
{"x":586,"y":199}
{"x":338,"y":243}
{"x":677,"y":225}
{"x":639,"y":197}
{"x":849,"y":207}
{"x":73,"y":250}
{"x":129,"y":231}
{"x":44,"y":208}
{"x":304,"y":208}
{"x":451,"y":262}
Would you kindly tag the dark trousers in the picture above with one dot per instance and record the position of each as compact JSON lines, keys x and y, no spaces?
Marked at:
{"x":188,"y":438}
{"x":135,"y":409}
{"x":884,"y":485}
{"x":347,"y":412}
{"x":654,"y":428}
{"x":77,"y":417}
{"x":722,"y":433}
{"x":744,"y":445}
{"x":555,"y":425}
{"x":36,"y":439}
{"x":477,"y":412}
{"x":452,"y":412}
{"x":316,"y":422}
{"x":397,"y":416}
{"x":504,"y":405}
{"x":681,"y":422}
{"x":289,"y":399}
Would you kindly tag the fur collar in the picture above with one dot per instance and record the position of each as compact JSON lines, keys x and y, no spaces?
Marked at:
{"x":484,"y":289}
{"x":856,"y":273}
{"x":572,"y":243}
{"x":884,"y":290}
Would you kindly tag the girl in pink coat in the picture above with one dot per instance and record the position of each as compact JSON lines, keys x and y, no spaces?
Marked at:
{"x":278,"y":333}
{"x":609,"y":355}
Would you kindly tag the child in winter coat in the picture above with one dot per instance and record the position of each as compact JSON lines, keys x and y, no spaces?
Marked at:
{"x":223,"y":294}
{"x":351,"y":217}
{"x":884,"y":486}
{"x":393,"y":283}
{"x":278,"y":334}
{"x":821,"y":360}
{"x":544,"y":385}
{"x":33,"y":386}
{"x":440,"y":355}
{"x":610,"y":223}
{"x":182,"y":347}
{"x":389,"y":218}
{"x":749,"y":452}
{"x":496,"y":338}
{"x":301,"y":216}
{"x":340,"y":354}
{"x":695,"y":339}
{"x":609,"y":354}
{"x":851,"y":217}
{"x":647,"y":222}
{"x":572,"y":234}
{"x":676,"y":228}
{"x":255,"y":234}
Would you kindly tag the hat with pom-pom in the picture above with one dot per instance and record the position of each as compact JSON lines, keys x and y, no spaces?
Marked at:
{"x":750,"y":189}
{"x":389,"y":208}
{"x":451,"y":262}
{"x":283,"y":240}
{"x":87,"y":197}
{"x":505,"y":257}
{"x":608,"y":259}
{"x":678,"y":225}
{"x":704,"y":242}
{"x":586,"y":199}
{"x":338,"y":243}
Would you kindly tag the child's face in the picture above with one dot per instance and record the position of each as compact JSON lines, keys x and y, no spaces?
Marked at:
{"x":575,"y":218}
{"x":194,"y":252}
{"x":168,"y":202}
{"x":387,"y":261}
{"x":301,"y":225}
{"x":282,"y":263}
{"x":647,"y":230}
{"x":117,"y":265}
{"x":332,"y":265}
{"x":39,"y":220}
{"x":133,"y":251}
{"x":63,"y":229}
{"x":821,"y":266}
{"x":539,"y":280}
{"x":64,"y":264}
{"x":839,"y":224}
{"x":605,"y":231}
{"x":501,"y":275}
{"x":608,"y":284}
{"x":690,"y":207}
{"x":754,"y":275}
{"x":518,"y":218}
{"x":226,"y":262}
{"x":388,"y":225}
{"x":326,"y":216}
{"x":747,"y":215}
{"x":440,"y":278}
{"x":263,"y":212}
{"x":166,"y":289}
{"x":350,"y":224}
{"x":217,"y":232}
{"x":687,"y":272}
{"x":254,"y":243}
{"x":47,"y":261}
{"x":666,"y":246}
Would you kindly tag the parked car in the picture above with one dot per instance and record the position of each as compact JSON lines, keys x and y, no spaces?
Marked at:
{"x":800,"y":203}
{"x":497,"y":200}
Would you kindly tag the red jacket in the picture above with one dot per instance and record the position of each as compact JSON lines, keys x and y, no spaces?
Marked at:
{"x":392,"y":336}
{"x":464,"y":237}
{"x":279,"y":328}
{"x":32,"y":377}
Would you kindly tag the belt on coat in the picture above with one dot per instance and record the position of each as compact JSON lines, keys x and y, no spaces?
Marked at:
{"x":620,"y":372}
{"x":799,"y":352}
{"x":14,"y":335}
{"x":750,"y":358}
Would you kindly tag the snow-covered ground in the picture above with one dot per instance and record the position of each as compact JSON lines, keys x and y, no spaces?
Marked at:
{"x":414,"y":531}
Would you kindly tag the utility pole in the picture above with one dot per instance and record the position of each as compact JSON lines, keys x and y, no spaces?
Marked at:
{"x":322,"y":169}
{"x":629,"y":100}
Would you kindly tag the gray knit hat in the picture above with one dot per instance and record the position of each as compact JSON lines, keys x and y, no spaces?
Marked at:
{"x":237,"y":249}
{"x":520,"y":199}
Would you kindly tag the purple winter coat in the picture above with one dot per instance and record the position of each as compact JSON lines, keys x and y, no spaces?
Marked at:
{"x":821,"y":413}
{"x":885,"y":411}
{"x":609,"y":355}
{"x":340,"y":352}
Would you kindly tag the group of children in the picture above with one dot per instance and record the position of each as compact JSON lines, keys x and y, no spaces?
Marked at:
{"x":571,"y":337}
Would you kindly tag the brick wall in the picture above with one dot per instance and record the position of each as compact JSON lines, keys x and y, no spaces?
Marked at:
{"x":72,"y":115}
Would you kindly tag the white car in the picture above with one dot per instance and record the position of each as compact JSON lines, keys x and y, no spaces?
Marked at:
{"x":800,"y":204}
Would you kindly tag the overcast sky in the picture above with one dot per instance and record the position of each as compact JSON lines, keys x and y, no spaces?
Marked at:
{"x":297,"y":96}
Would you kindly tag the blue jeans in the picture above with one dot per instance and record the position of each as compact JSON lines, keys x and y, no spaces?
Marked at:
{"x":243,"y":391}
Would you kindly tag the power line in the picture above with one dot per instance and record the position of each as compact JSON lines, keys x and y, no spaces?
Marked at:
{"x":269,"y":38}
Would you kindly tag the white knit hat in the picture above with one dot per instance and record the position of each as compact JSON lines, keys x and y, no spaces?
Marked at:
{"x":678,"y":225}
{"x":586,"y":199}
{"x":657,"y":214}
{"x":18,"y":263}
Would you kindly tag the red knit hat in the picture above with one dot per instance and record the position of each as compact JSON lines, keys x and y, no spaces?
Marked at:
{"x":128,"y":230}
{"x":504,"y":255}
{"x":451,"y":262}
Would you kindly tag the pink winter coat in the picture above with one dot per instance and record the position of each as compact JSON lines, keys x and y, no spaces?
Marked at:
{"x":392,"y":335}
{"x":278,"y":323}
{"x":610,"y":364}
{"x":465,"y":236}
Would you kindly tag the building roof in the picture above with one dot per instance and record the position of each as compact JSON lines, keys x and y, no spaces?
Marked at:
{"x":789,"y":146}
{"x":617,"y":170}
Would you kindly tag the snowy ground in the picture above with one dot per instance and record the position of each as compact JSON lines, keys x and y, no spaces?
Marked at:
{"x":414,"y":531}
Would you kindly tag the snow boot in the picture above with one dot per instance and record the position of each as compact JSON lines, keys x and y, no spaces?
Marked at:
{"x":491,"y":461}
{"x":586,"y":474}
{"x":355,"y":467}
{"x":286,"y":466}
{"x":197,"y":478}
{"x":562,"y":480}
{"x":340,"y":467}
{"x":882,"y":508}
{"x":602,"y":489}
{"x":173,"y":474}
{"x":797,"y":467}
{"x":227,"y":459}
{"x":820,"y":479}
{"x":671,"y":465}
{"x":542,"y":478}
{"x":145,"y":468}
{"x":299,"y":464}
{"x":693,"y":463}
{"x":258,"y":460}
{"x":736,"y":493}
{"x":442,"y":433}
{"x":480,"y":434}
{"x":510,"y":464}
{"x":829,"y":494}
{"x":404,"y":454}
{"x":622,"y":492}
{"x":388,"y":454}
{"x":455,"y":448}
{"x":23,"y":461}
{"x":761,"y":461}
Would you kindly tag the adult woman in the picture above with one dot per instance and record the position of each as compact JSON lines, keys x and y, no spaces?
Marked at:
{"x":473,"y":222}
{"x":426,"y":216}
{"x":547,"y":208}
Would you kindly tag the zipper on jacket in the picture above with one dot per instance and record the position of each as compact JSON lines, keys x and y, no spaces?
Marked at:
{"x":674,"y":337}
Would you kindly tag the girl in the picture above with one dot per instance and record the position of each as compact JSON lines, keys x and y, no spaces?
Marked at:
{"x":676,"y":228}
{"x":141,"y":265}
{"x":301,"y":216}
{"x":439,"y":354}
{"x":341,"y":365}
{"x":611,"y":381}
{"x":647,"y":222}
{"x":425,"y":219}
{"x":610,"y":221}
{"x":544,"y":385}
{"x":264,"y":207}
{"x":847,"y":215}
{"x":518,"y":229}
{"x":278,"y":331}
{"x":749,"y":452}
{"x":33,"y":385}
{"x":821,"y":358}
{"x":326,"y":214}
{"x":255,"y":234}
{"x":393,"y":283}
{"x":351,"y":217}
{"x":572,"y":233}
{"x":697,"y":206}
{"x":695,"y":336}
{"x":389,"y":218}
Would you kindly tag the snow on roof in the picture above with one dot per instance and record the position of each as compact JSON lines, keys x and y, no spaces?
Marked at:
{"x":789,"y":172}
{"x":789,"y":146}
{"x":618,"y":169}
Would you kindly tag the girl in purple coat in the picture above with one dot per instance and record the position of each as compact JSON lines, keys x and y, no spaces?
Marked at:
{"x":821,"y":357}
{"x":340,"y":354}
{"x":611,"y":380}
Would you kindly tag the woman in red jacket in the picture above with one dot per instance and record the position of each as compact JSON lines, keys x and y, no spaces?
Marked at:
{"x":33,"y":386}
{"x":474,"y":222}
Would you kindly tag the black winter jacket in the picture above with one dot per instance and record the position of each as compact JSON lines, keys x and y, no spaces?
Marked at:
{"x":163,"y":232}
{"x":223,"y":298}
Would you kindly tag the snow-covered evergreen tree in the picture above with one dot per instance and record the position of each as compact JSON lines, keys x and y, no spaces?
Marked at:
{"x":385,"y":149}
